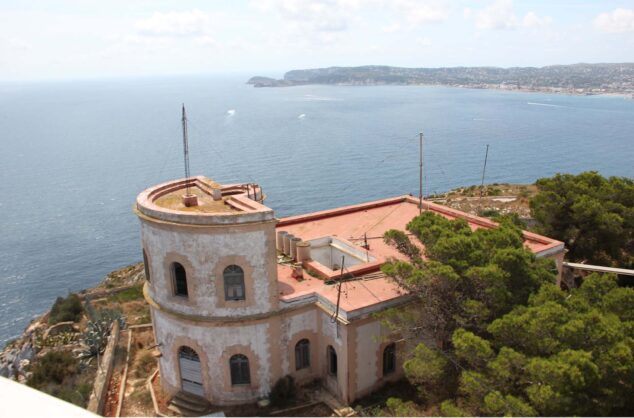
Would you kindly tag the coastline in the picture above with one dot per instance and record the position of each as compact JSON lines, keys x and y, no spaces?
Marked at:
{"x":546,"y":90}
{"x":19,"y":353}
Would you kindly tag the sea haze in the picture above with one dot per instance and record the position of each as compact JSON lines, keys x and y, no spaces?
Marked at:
{"x":75,"y":155}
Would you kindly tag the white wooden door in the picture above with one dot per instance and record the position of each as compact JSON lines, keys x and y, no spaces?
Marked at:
{"x":191,"y":376}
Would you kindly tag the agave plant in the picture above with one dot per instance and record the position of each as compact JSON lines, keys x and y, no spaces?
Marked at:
{"x":95,"y":337}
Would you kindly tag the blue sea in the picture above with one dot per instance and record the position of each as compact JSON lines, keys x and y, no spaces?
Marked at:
{"x":74,"y":155}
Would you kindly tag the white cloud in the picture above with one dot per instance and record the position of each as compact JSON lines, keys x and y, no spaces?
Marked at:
{"x":425,"y":41}
{"x":417,"y":12}
{"x":188,"y":23}
{"x":617,"y":21}
{"x":531,"y":20}
{"x":501,"y":16}
{"x":13,"y":44}
{"x":391,"y":28}
{"x":314,"y":15}
{"x":206,"y":41}
{"x":133,"y":44}
{"x":498,"y":15}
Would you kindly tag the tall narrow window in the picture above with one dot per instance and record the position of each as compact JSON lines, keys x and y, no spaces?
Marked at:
{"x":191,"y":371}
{"x":389,"y":359}
{"x":302,"y":354}
{"x":234,"y":282}
{"x":146,"y":266}
{"x":180,"y":279}
{"x":239,"y":365}
{"x":332,"y":361}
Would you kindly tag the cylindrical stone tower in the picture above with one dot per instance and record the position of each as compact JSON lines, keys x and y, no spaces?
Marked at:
{"x":212,"y":288}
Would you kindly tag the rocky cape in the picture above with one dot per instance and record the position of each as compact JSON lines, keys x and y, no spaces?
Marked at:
{"x":39,"y":337}
{"x":571,"y":79}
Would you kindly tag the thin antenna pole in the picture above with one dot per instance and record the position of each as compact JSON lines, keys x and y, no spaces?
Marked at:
{"x":336,"y":315}
{"x":420,"y":176}
{"x":486,"y":156}
{"x":185,"y":150}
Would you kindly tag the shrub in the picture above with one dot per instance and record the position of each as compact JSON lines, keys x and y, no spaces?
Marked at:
{"x":283,"y":391}
{"x":66,"y":309}
{"x":142,"y":396}
{"x":128,"y":295}
{"x":399,"y":408}
{"x":488,"y":213}
{"x":53,"y":367}
{"x":78,"y":395}
{"x":144,"y":364}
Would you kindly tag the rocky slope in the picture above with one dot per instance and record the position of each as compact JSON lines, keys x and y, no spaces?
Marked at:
{"x":18,"y":356}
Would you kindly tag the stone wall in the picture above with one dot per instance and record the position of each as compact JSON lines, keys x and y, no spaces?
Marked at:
{"x":102,"y":380}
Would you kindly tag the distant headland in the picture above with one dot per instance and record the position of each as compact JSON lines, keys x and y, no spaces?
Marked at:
{"x":584,"y":79}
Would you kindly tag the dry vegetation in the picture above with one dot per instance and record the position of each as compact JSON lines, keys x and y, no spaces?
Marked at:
{"x":137,"y":399}
{"x":497,"y":199}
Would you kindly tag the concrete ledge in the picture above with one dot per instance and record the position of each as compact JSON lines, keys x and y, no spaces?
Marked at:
{"x":102,"y":380}
{"x":153,"y":395}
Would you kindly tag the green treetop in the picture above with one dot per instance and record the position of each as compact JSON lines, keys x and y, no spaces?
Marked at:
{"x":593,"y":215}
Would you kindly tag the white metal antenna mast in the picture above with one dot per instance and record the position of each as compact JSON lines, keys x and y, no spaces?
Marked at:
{"x":420,"y":176}
{"x":185,"y":150}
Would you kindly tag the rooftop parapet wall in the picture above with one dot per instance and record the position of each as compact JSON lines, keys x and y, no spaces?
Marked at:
{"x":362,"y":226}
{"x":538,"y":244}
{"x":164,"y":203}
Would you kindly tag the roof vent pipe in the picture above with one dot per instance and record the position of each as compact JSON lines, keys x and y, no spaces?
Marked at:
{"x":294,"y":242}
{"x":287,"y":244}
{"x":279,"y":243}
{"x":303,"y":251}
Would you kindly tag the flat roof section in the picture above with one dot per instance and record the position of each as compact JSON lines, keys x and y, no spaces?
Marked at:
{"x":371,"y":291}
{"x":366,"y":294}
{"x":373,"y":219}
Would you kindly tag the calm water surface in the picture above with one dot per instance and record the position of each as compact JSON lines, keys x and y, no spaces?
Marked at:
{"x":73,"y":156}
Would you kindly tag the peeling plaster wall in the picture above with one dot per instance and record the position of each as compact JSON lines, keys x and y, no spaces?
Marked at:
{"x":171,"y":334}
{"x":338,"y":385}
{"x":329,"y":330}
{"x":202,"y":248}
{"x":291,"y":326}
{"x":367,"y":344}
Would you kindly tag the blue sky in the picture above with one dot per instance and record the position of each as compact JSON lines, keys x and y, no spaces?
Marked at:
{"x":67,"y":39}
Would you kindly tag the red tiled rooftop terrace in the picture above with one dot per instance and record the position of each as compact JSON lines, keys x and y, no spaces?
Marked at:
{"x":372,"y":219}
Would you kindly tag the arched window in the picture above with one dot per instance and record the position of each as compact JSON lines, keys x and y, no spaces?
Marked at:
{"x":146,"y":266}
{"x":302,"y":354}
{"x":239,"y":365}
{"x":180,"y":279}
{"x":332,"y":361}
{"x":234,"y":282}
{"x":389,"y":359}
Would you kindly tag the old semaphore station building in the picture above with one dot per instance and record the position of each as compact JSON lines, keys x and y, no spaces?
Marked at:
{"x":240,"y":298}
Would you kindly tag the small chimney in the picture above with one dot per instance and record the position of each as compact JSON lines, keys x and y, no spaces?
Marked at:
{"x":298,"y":272}
{"x":190,"y":200}
{"x":216,"y":194}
